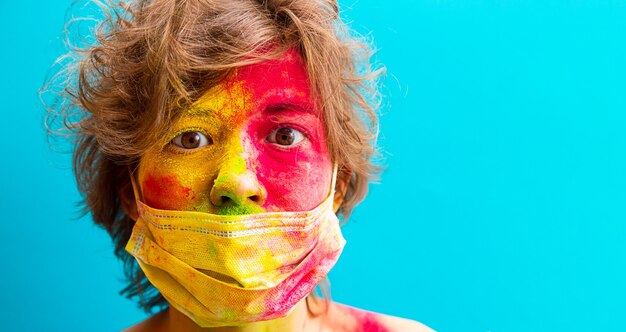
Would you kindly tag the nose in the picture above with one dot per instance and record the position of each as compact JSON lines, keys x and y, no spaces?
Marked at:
{"x":236,"y":185}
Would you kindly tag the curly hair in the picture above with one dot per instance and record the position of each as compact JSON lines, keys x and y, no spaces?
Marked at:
{"x":150,"y":59}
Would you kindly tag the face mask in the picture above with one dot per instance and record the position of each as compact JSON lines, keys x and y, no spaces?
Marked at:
{"x":226,"y":270}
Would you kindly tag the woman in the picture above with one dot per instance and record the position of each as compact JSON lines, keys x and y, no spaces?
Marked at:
{"x":217,"y":141}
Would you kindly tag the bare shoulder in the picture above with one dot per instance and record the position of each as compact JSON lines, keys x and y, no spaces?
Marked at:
{"x":154,"y":323}
{"x":347,"y":318}
{"x":403,"y":324}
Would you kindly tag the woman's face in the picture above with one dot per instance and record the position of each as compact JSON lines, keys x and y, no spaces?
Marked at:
{"x":253,"y":143}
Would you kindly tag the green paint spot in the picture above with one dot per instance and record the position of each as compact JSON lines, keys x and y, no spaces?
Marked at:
{"x":212,"y":250}
{"x":235,"y":209}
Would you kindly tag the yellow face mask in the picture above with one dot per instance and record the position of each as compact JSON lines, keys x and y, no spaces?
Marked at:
{"x":226,"y":270}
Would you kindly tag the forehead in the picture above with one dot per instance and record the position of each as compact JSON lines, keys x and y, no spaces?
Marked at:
{"x":271,"y":83}
{"x":285,"y":75}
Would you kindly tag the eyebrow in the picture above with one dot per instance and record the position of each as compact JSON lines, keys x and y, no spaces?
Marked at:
{"x":279,"y":107}
{"x":201,"y":111}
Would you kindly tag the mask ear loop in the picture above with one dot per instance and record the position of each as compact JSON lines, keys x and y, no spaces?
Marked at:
{"x":313,"y":301}
{"x":334,"y":180}
{"x":133,"y":182}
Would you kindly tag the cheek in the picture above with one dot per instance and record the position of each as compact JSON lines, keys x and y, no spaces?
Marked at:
{"x":175,"y":182}
{"x":165,"y":192}
{"x":297,"y":188}
{"x":294,"y":181}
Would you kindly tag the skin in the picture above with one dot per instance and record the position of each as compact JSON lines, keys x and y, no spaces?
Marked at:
{"x":241,"y":164}
{"x":337,"y":318}
{"x":243,"y":169}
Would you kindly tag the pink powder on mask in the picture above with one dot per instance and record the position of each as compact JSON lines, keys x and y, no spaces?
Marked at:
{"x":311,"y":270}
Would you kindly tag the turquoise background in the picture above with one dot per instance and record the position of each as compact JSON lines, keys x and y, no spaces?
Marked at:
{"x":501,"y":209}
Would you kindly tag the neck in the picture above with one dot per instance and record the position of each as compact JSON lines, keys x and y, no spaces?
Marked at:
{"x":300,"y":319}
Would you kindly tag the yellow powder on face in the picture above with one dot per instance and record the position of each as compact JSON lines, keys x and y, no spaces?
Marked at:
{"x":220,"y":114}
{"x":229,"y":101}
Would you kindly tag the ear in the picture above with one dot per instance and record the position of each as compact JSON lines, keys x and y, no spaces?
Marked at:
{"x":341,"y":186}
{"x":127,"y":198}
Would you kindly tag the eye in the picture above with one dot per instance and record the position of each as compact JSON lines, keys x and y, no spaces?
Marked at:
{"x":285,"y":136}
{"x":190,"y":140}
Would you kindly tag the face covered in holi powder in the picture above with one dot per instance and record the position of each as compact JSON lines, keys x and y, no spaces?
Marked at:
{"x":253,"y":143}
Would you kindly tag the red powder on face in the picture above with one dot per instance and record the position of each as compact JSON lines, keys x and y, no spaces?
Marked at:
{"x":296,"y":178}
{"x":251,"y":104}
{"x":295,"y":182}
{"x":165,"y":192}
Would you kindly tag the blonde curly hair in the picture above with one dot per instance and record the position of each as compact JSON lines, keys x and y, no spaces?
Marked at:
{"x":152,"y":58}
